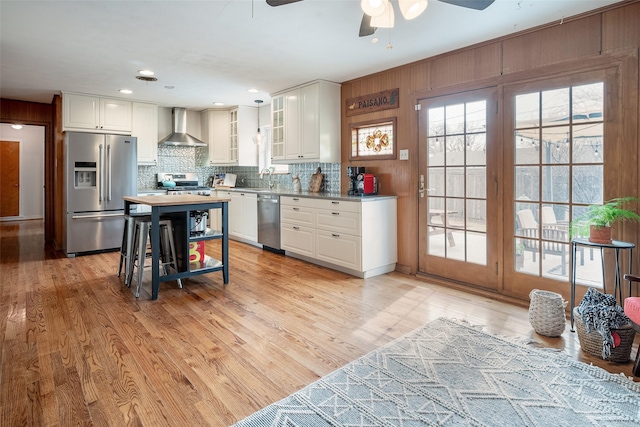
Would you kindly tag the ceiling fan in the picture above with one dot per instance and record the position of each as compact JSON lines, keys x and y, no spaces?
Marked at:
{"x":370,"y":23}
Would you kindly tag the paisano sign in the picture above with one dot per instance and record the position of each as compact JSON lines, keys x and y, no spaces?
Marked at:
{"x":385,"y":100}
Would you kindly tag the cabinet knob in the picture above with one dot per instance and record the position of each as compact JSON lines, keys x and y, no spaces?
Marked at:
{"x":335,"y":235}
{"x":335,"y":213}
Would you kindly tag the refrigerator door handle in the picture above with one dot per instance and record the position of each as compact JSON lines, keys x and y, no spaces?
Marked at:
{"x":101,"y":177}
{"x":96,"y":216}
{"x":109,"y":172}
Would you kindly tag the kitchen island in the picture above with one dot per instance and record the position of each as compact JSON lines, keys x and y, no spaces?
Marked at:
{"x":178,"y":208}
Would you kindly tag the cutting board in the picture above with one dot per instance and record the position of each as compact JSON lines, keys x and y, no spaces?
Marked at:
{"x":316,"y":182}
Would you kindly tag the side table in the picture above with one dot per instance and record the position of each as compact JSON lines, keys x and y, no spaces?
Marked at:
{"x":617,"y":246}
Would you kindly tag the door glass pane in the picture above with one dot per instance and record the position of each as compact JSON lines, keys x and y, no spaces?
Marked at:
{"x":476,"y":185}
{"x":476,"y":149}
{"x":436,"y":151}
{"x":455,"y":150}
{"x":555,"y":145}
{"x":455,"y":182}
{"x":454,"y":119}
{"x":555,"y":107}
{"x":555,"y":184}
{"x":527,"y":146}
{"x":587,"y":143}
{"x":587,"y":102}
{"x":587,"y":184}
{"x":527,"y":110}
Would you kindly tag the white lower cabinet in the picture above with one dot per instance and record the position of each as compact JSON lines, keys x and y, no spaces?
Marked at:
{"x":298,"y":239}
{"x":243,"y":216}
{"x":357,"y":237}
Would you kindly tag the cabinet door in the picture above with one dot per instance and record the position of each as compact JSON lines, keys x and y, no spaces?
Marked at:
{"x":115,"y":114}
{"x":247,"y":127}
{"x":218,"y":137}
{"x":80,"y":112}
{"x":292,"y":124}
{"x":235,"y":215}
{"x":310,"y":132}
{"x":277,"y":128}
{"x":298,"y":239}
{"x":340,"y":249}
{"x":250,"y":216}
{"x":144,"y":126}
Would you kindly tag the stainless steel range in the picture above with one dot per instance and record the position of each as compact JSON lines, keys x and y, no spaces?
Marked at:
{"x":187,"y":183}
{"x":182,"y":183}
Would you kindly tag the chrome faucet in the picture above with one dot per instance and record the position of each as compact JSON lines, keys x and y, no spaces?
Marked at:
{"x":270,"y":171}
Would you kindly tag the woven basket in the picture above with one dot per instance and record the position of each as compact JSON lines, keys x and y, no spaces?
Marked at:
{"x":591,"y":343}
{"x":546,"y":313}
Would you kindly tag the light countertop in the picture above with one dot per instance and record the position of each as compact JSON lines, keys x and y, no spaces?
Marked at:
{"x":308,"y":194}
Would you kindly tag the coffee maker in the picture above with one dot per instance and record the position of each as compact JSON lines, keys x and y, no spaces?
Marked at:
{"x":352,"y":173}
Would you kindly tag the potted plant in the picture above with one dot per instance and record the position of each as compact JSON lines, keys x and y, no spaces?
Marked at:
{"x":598,"y":219}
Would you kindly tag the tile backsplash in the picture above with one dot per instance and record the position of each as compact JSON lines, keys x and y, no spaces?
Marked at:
{"x":188,"y":159}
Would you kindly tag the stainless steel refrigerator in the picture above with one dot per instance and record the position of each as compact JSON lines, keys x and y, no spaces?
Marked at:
{"x":99,"y":170}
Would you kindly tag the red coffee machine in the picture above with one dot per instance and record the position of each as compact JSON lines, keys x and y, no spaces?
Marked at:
{"x":367,"y":184}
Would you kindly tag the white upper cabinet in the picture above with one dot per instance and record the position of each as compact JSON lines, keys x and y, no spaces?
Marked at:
{"x":87,"y":112}
{"x":277,"y":128}
{"x":215,"y":132}
{"x":144,"y":126}
{"x":230,"y":135}
{"x":310,"y":122}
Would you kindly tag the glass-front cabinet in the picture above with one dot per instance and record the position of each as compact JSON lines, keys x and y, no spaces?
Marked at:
{"x":277,"y":126}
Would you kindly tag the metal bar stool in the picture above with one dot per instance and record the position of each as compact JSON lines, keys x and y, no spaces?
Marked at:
{"x":127,"y":248}
{"x":139,"y":255}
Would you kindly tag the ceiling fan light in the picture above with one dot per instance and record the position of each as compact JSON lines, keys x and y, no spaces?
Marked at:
{"x":411,"y":9}
{"x":386,"y":20}
{"x":374,"y":7}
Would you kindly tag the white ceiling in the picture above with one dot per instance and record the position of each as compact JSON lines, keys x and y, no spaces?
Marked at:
{"x":216,"y":50}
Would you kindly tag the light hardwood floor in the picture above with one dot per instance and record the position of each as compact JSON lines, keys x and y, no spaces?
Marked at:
{"x":79,"y":349}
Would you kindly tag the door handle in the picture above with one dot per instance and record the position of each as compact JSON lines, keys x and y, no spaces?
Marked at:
{"x":109,"y":172}
{"x":101,"y":176}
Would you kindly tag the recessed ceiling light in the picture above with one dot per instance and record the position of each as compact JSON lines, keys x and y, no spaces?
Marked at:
{"x":146,"y":72}
{"x":253,"y":90}
{"x":146,"y":78}
{"x":127,"y":91}
{"x":17,"y":127}
{"x":218,"y":103}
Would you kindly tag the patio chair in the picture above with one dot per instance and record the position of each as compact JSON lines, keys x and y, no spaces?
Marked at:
{"x":554,"y":238}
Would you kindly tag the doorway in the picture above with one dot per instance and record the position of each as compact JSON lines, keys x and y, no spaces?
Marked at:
{"x":458,"y":204}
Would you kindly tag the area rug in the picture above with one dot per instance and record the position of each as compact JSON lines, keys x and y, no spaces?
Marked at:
{"x":451,"y":374}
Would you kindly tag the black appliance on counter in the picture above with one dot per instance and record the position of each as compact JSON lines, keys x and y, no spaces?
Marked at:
{"x":352,"y":173}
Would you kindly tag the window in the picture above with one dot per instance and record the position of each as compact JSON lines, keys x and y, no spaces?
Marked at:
{"x":374,"y":140}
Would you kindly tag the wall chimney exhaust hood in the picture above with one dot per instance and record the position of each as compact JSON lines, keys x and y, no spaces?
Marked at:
{"x":180,"y":137}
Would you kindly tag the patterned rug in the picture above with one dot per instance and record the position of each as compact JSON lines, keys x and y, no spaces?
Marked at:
{"x":448,"y":374}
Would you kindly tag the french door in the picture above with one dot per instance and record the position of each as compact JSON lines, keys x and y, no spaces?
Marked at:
{"x":555,"y":150}
{"x":459,"y":210}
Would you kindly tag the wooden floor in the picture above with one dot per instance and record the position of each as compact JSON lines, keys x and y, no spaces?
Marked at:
{"x":79,"y":349}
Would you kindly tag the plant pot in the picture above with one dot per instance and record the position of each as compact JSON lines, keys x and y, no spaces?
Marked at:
{"x":599,"y":234}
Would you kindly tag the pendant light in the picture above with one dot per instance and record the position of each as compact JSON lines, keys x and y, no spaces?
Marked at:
{"x":258,"y":135}
{"x":374,"y":7}
{"x":386,"y":20}
{"x":411,"y":9}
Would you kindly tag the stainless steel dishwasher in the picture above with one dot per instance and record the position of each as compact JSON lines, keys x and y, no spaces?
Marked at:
{"x":269,"y":221}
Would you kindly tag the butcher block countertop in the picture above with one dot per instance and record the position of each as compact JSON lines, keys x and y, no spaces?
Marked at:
{"x":182,"y":199}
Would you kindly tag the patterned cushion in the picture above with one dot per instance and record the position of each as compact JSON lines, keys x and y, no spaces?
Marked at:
{"x":632,"y":309}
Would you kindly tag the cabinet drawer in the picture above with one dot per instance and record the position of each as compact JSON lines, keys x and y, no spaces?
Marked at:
{"x":299,"y":215}
{"x":338,"y":221}
{"x":297,"y":201}
{"x":338,"y":205}
{"x":298,"y":239}
{"x":340,"y":249}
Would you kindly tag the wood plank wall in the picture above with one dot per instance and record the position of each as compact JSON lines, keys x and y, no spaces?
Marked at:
{"x":546,"y":49}
{"x":34,"y":113}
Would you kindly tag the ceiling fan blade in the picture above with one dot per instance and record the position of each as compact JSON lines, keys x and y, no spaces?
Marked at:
{"x":275,"y":3}
{"x":365,"y":26}
{"x":470,"y":4}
